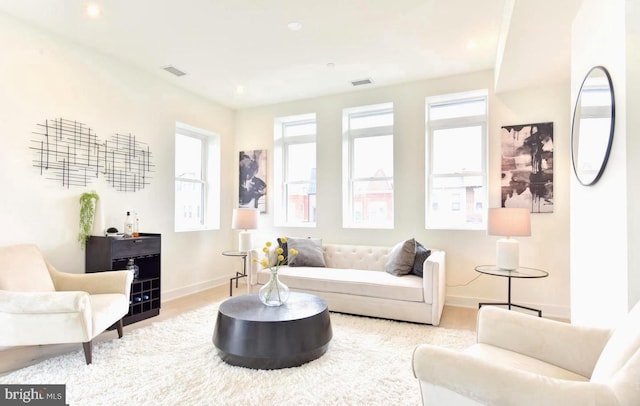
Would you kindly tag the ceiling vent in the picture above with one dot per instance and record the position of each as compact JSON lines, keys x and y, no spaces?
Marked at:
{"x":174,"y":70}
{"x":361,"y":82}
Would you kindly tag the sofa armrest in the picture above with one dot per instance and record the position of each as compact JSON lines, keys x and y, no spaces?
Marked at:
{"x":253,"y":262}
{"x":44,"y":302}
{"x":571,"y":347}
{"x":493,"y":384}
{"x":92,"y":283}
{"x":434,"y":283}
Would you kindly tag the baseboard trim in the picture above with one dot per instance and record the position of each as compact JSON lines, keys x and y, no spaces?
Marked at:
{"x":191,"y":289}
{"x":548,"y":310}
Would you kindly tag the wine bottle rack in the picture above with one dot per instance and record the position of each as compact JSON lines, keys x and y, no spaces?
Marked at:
{"x":110,"y":254}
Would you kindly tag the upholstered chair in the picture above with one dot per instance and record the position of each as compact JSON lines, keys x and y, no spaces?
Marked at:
{"x":41,"y":305}
{"x":524,"y":360}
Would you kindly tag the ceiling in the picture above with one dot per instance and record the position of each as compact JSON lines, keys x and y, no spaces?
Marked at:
{"x":223,"y":44}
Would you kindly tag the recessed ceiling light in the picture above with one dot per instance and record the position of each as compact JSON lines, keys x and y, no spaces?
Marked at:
{"x":472,"y":44}
{"x":294,"y":26}
{"x":239,"y":89}
{"x":93,"y":10}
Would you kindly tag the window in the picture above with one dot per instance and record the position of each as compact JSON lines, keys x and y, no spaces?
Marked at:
{"x":456,"y":161}
{"x":197,"y":179}
{"x":367,"y":166}
{"x":295,"y":170}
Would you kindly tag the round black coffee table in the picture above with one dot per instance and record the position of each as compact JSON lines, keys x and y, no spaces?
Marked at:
{"x":252,"y":335}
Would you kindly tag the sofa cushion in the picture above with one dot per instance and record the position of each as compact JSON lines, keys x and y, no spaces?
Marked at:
{"x":422,"y":254}
{"x":310,"y":252}
{"x":350,"y":281}
{"x":368,"y":258}
{"x":401,"y":258}
{"x":24,"y":269}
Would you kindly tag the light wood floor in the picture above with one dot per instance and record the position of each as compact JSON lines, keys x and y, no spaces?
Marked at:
{"x":14,"y":358}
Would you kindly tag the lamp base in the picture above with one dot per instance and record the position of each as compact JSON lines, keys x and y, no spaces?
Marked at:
{"x":245,"y":241}
{"x":507,"y":254}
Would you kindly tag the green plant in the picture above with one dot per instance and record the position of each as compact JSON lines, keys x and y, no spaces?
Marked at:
{"x":88,"y":202}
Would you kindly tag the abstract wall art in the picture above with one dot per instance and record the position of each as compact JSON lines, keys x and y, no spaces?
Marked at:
{"x":527,"y":166}
{"x":253,"y":175}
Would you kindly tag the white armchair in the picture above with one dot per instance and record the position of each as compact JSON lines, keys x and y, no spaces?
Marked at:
{"x":524,"y":360}
{"x":41,"y":305}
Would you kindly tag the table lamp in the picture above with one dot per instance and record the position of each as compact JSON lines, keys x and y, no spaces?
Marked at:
{"x":509,"y":222}
{"x":245,"y":219}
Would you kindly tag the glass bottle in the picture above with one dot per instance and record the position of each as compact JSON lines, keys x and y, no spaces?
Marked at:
{"x":136,"y":227}
{"x":133,"y":268}
{"x":128,"y":226}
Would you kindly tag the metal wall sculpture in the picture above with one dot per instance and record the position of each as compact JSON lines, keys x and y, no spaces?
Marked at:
{"x":70,"y":153}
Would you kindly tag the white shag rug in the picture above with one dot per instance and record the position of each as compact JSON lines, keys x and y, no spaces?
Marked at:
{"x":174,"y":362}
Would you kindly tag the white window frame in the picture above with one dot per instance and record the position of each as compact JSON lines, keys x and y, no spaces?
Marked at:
{"x":280,"y":176}
{"x":209,"y":180}
{"x":456,"y":122}
{"x":348,"y":179}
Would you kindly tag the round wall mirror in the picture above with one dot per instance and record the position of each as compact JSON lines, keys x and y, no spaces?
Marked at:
{"x":592,"y":128}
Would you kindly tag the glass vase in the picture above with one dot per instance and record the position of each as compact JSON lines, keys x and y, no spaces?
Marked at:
{"x":274,"y":292}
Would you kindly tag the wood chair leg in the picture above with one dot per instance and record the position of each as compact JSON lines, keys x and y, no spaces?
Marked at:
{"x":87,"y":351}
{"x":119,"y":327}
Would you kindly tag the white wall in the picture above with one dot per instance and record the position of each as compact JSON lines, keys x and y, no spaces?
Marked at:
{"x":632,"y":27}
{"x":546,"y":249}
{"x":604,"y":217}
{"x":45,"y":77}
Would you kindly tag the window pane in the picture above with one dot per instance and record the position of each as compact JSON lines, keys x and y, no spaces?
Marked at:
{"x":460,"y":206}
{"x":457,"y":182}
{"x":457,"y":109}
{"x":188,"y":157}
{"x":370,"y":120}
{"x":456,"y":165}
{"x":373,"y":203}
{"x":301,"y":203}
{"x":301,"y":162}
{"x":373,"y":157}
{"x":457,"y":150}
{"x":301,"y":128}
{"x":189,"y":204}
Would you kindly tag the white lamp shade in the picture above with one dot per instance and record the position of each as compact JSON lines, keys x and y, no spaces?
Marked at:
{"x":245,"y":219}
{"x":509,"y":222}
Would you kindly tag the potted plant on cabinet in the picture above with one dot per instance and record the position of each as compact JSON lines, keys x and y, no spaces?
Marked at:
{"x":88,"y":201}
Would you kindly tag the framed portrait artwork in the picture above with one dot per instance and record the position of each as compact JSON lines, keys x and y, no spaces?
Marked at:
{"x":527,"y":166}
{"x":253,"y":175}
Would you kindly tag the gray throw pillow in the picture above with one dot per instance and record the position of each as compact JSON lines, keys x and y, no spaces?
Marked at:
{"x":310,"y":252}
{"x":401,"y":258}
{"x":422,"y":254}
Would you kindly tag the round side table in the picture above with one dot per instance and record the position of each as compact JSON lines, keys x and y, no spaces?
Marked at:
{"x":520,"y":272}
{"x":243,"y":274}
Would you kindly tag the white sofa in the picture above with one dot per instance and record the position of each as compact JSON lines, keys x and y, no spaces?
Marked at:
{"x":354,"y":281}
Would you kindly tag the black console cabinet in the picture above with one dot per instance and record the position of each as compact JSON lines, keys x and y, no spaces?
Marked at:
{"x":110,"y":254}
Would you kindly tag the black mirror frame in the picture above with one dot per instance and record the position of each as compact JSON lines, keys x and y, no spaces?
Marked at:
{"x":611,"y":127}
